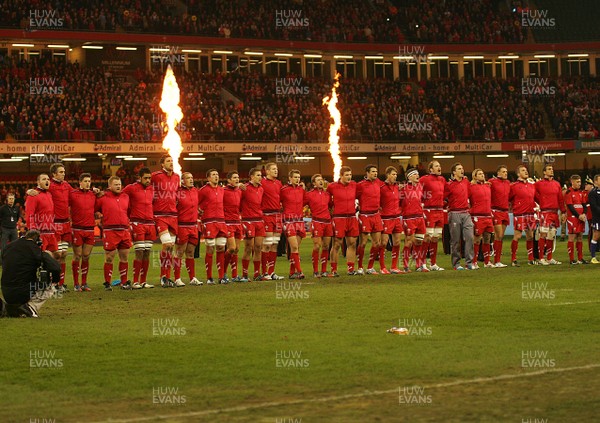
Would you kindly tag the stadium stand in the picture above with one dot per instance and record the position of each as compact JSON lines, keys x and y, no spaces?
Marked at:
{"x":573,"y":21}
{"x":94,"y":106}
{"x":460,"y":21}
{"x":353,"y":21}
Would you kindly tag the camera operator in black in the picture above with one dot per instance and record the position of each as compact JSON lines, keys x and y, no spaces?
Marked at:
{"x":25,"y":293}
{"x":9,"y":215}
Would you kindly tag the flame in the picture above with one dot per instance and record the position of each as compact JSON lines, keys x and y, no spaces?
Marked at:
{"x":169,"y":103}
{"x":334,"y":145}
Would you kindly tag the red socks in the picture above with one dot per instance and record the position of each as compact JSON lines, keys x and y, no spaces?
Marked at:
{"x":108,"y":269}
{"x":85,"y":266}
{"x":75,"y":270}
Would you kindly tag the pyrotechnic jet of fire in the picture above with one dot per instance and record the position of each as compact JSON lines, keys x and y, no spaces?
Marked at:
{"x":334,"y":146}
{"x":169,"y":103}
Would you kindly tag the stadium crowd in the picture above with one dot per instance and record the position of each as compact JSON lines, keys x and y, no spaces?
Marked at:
{"x":90,"y":104}
{"x":353,"y":21}
{"x":461,"y":21}
{"x":575,"y":108}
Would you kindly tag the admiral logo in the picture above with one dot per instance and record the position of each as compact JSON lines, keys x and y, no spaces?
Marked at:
{"x":254,"y":148}
{"x":107,"y":148}
{"x":384,"y":147}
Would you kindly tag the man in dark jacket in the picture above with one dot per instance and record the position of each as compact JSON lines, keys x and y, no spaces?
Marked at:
{"x":594,"y":202}
{"x":9,"y":216}
{"x":24,"y":294}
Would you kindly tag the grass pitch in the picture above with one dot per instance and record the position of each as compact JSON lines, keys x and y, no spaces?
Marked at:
{"x":514,"y":344}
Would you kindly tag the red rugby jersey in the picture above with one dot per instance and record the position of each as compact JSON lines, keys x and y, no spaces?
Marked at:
{"x":318,"y":200}
{"x":480,"y":196}
{"x":271,"y":201}
{"x":500,"y":193}
{"x":114,"y":210}
{"x":576,"y":198}
{"x":82,"y":209}
{"x":368,"y":194}
{"x":60,"y":196}
{"x":457,"y":193}
{"x":390,"y":200}
{"x":232,"y":198}
{"x":187,"y":206}
{"x":343,"y":198}
{"x":210,"y":201}
{"x":292,"y":200}
{"x":251,"y":202}
{"x":165,"y":193}
{"x":433,"y":191}
{"x":39,"y":211}
{"x":411,"y":196}
{"x":522,"y":197}
{"x":140,"y":202}
{"x":548,"y":194}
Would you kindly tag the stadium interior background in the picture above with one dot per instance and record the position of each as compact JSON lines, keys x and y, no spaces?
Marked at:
{"x":499,"y":82}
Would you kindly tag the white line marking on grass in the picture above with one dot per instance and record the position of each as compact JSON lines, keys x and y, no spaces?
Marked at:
{"x":347,"y":396}
{"x":575,"y":302}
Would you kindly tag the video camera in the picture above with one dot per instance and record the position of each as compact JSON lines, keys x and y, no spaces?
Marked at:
{"x":43,"y":276}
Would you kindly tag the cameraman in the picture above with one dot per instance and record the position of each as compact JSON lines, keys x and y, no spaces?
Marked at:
{"x":23,"y":293}
{"x":9,"y":216}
